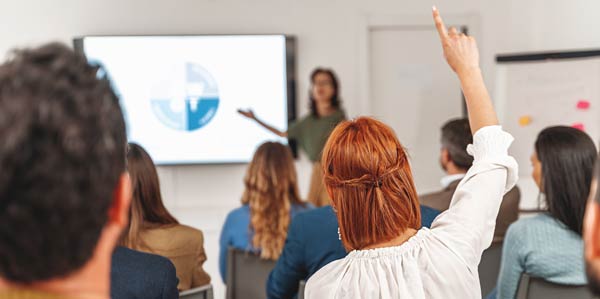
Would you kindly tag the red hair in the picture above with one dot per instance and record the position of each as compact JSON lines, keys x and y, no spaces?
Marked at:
{"x":368,"y":177}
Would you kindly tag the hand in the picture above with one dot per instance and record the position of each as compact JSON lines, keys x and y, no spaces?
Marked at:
{"x":247,"y":113}
{"x":460,"y":50}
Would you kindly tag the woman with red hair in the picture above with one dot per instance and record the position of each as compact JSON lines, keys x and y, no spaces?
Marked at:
{"x":368,"y":177}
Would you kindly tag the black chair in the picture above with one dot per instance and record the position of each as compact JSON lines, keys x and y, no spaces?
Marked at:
{"x":247,"y":275}
{"x":203,"y":292}
{"x":489,"y":268}
{"x":538,"y":288}
{"x":301,"y":289}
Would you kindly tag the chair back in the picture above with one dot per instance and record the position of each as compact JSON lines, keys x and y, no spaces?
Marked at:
{"x":301,"y":289}
{"x":538,"y":288}
{"x":489,"y":267}
{"x":247,"y":275}
{"x":203,"y":292}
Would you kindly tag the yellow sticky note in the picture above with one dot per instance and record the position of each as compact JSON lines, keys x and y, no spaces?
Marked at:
{"x":524,"y":120}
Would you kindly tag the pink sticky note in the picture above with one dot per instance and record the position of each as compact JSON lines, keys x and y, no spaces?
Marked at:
{"x":579,"y":126}
{"x":583,"y":105}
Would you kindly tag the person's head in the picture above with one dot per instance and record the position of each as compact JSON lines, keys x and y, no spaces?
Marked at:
{"x":456,"y":136}
{"x":271,"y":189}
{"x":147,"y":208}
{"x":563,"y":163}
{"x":324,"y":89}
{"x":64,"y":191}
{"x":592,"y":233}
{"x":368,"y":178}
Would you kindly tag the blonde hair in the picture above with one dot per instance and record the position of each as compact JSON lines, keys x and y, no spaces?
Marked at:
{"x":271,"y":189}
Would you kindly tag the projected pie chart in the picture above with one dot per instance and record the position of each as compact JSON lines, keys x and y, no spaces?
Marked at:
{"x":196,"y":107}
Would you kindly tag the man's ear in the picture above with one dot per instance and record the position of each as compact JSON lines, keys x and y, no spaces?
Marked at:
{"x":591,"y":227}
{"x":118,"y":213}
{"x":445,"y":154}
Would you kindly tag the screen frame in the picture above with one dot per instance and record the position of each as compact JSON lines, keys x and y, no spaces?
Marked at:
{"x":290,"y":73}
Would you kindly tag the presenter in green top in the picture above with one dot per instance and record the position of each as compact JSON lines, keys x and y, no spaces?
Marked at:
{"x":311,"y":131}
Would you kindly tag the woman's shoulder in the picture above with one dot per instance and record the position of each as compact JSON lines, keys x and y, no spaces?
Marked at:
{"x":534,"y":225}
{"x":301,"y":207}
{"x":542,"y":219}
{"x":185,"y":229}
{"x":328,"y":273}
{"x":173,"y":238}
{"x":181,"y":231}
{"x":239,"y":212}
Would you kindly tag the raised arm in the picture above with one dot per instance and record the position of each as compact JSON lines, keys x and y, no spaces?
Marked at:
{"x":462,"y":55}
{"x":250,"y":114}
{"x":467,"y":227}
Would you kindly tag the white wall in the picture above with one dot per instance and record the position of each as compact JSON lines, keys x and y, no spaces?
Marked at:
{"x":328,"y":33}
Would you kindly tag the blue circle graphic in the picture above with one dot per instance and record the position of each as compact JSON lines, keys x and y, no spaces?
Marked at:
{"x":200,"y":103}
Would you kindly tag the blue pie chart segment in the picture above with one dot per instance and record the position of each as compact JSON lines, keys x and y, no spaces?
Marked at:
{"x":200,"y":104}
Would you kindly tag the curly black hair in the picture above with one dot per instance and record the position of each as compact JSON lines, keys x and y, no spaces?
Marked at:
{"x":62,"y":153}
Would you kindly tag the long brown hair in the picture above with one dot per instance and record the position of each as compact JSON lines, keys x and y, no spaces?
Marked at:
{"x":368,"y":177}
{"x":147,"y":208}
{"x":271,"y":190}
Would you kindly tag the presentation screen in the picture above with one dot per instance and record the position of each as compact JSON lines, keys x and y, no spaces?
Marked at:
{"x":180,"y":94}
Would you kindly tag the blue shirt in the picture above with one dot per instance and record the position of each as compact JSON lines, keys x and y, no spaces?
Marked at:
{"x":543,"y":247}
{"x":313,"y":242}
{"x":135,"y":274}
{"x":236,"y":232}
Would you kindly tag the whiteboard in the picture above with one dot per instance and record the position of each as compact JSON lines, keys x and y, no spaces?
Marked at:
{"x":537,"y":94}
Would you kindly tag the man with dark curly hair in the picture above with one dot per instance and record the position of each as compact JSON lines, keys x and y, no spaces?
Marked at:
{"x":64,"y":190}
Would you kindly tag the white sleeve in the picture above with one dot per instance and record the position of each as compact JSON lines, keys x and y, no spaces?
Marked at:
{"x":467,"y":227}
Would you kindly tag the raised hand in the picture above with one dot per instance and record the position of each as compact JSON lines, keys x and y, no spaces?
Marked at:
{"x":460,"y":50}
{"x":463,"y":57}
{"x":247,"y":113}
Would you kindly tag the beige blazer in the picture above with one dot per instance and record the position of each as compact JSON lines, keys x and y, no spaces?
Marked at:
{"x":184,"y":246}
{"x":509,"y":209}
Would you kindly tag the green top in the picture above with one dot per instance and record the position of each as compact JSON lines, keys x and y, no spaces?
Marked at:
{"x":311,"y":132}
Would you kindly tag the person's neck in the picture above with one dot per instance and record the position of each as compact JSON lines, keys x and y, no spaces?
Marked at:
{"x":325,"y":110}
{"x":451,"y":169}
{"x":90,"y":282}
{"x":407,"y":234}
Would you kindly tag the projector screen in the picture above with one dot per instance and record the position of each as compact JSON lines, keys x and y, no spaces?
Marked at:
{"x":180,"y":94}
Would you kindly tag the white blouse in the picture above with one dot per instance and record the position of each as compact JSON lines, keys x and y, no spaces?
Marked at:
{"x":440,"y":262}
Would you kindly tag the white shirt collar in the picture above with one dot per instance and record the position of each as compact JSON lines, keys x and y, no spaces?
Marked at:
{"x":447,"y":180}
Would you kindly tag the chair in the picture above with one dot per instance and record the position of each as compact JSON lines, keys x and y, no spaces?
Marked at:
{"x":203,"y":292}
{"x":538,"y":288}
{"x":489,"y":268}
{"x":247,"y":275}
{"x":301,"y":289}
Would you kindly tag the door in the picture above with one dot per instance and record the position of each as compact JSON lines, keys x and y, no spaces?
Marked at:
{"x":413,"y":90}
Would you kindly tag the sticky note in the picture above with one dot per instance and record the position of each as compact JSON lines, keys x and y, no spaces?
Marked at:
{"x":524,"y":120}
{"x":579,"y":126}
{"x":583,"y":104}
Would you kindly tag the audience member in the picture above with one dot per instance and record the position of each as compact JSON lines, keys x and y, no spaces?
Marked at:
{"x":313,"y":242}
{"x":64,"y":190}
{"x":368,"y":176}
{"x":136,"y":274}
{"x":591,"y":233}
{"x":269,"y":202}
{"x":549,"y":245}
{"x":154,"y":230}
{"x":454,"y":159}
